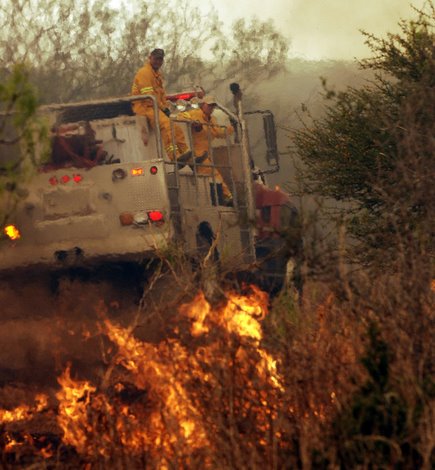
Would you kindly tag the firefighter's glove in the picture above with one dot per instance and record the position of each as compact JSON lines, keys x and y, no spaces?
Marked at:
{"x":197,"y":126}
{"x":167,"y":111}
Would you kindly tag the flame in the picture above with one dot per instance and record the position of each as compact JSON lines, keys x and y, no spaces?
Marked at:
{"x":12,"y":232}
{"x":157,"y":368}
{"x":11,"y":444}
{"x":198,"y":311}
{"x":240,"y":315}
{"x":74,"y":398}
{"x":171,"y":418}
{"x":46,"y":452}
{"x":165,"y":371}
{"x":24,"y":412}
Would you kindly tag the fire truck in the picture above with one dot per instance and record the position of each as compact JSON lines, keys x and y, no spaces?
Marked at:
{"x":108,"y":193}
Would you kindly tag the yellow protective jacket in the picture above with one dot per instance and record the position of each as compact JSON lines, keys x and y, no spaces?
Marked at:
{"x":148,"y":82}
{"x":201,"y":138}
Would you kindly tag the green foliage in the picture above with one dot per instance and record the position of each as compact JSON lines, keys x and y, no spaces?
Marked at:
{"x":22,"y":136}
{"x":16,"y":93}
{"x":408,"y":56}
{"x":374,"y":146}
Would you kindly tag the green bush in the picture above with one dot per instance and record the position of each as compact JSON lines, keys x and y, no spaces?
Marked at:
{"x":374,"y":147}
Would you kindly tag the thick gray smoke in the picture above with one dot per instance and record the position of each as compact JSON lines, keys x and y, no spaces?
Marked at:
{"x":293,"y":96}
{"x":320,"y":29}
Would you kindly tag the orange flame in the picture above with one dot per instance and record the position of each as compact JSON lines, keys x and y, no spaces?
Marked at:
{"x":170,"y":420}
{"x":12,"y":232}
{"x":74,"y":398}
{"x":24,"y":412}
{"x":240,"y":315}
{"x":152,"y":370}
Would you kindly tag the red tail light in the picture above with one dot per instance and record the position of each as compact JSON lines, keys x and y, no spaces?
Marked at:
{"x":65,"y":179}
{"x":155,"y":216}
{"x":141,"y":218}
{"x":153,"y":170}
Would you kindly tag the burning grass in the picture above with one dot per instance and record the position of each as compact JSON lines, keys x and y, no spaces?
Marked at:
{"x":241,"y":383}
{"x":210,"y":394}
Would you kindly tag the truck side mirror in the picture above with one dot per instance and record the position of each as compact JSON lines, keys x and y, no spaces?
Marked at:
{"x":272,"y":156}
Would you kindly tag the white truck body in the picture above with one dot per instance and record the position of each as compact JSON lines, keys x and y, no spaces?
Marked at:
{"x":80,"y":216}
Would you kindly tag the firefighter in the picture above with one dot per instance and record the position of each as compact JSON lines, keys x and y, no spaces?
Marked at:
{"x":149,"y":81}
{"x":204,"y":130}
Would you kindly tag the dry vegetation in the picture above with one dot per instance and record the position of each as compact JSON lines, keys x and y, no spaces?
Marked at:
{"x":205,"y":373}
{"x":237,"y":382}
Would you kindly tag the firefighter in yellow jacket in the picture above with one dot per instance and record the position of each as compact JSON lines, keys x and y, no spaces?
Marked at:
{"x":149,"y":81}
{"x":204,"y":130}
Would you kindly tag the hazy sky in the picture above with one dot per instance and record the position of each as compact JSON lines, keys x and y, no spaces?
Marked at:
{"x":321,"y":28}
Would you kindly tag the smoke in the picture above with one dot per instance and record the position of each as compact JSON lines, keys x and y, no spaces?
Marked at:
{"x":323,"y":29}
{"x":41,"y":331}
{"x":294,"y":96}
{"x":42,"y":328}
{"x":331,"y":29}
